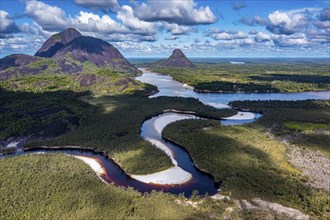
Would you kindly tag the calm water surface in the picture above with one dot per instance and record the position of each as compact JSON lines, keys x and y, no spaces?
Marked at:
{"x":167,"y":86}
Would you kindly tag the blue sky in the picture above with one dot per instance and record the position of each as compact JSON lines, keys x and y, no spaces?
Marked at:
{"x":153,"y":28}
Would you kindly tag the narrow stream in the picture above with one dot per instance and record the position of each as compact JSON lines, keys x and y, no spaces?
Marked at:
{"x":151,"y":131}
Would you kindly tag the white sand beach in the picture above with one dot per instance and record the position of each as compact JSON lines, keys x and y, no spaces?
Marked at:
{"x":217,"y":105}
{"x":94,"y":164}
{"x":186,"y":86}
{"x":241,"y":116}
{"x":166,"y":119}
{"x":172,"y":176}
{"x":164,"y":148}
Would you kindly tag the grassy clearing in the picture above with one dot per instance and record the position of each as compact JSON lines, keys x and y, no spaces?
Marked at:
{"x":303,"y":123}
{"x":252,"y":77}
{"x":251,"y":163}
{"x":61,"y":187}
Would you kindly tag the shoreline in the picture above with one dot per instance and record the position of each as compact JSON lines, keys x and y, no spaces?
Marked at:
{"x":241,"y":115}
{"x":228,"y":92}
{"x":157,"y":177}
{"x":172,"y":176}
{"x":218,"y":183}
{"x":252,"y":92}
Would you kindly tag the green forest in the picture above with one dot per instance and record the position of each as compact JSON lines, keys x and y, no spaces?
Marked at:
{"x":251,"y":162}
{"x":105,"y":110}
{"x":254,"y":77}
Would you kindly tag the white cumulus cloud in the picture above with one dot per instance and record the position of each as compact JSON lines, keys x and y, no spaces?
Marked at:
{"x":126,"y":16}
{"x":262,"y":37}
{"x":7,"y":25}
{"x":103,"y":5}
{"x":90,"y":22}
{"x":175,"y":11}
{"x":223,"y":35}
{"x":291,"y":41}
{"x":49,"y":17}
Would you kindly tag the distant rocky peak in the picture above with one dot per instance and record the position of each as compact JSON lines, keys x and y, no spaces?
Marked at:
{"x":177,"y":52}
{"x":177,"y":59}
{"x":67,"y":35}
{"x":57,"y":41}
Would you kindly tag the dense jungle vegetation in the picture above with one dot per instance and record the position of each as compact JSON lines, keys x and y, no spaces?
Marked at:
{"x":62,"y":187}
{"x":107,"y":123}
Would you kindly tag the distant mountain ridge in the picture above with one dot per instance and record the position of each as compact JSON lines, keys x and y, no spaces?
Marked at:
{"x":177,"y":59}
{"x":67,"y":52}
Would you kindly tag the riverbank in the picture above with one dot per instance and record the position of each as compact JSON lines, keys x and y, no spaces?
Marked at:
{"x":241,"y":116}
{"x":59,"y":186}
{"x":253,"y":77}
{"x":93,"y":163}
{"x":114,"y":129}
{"x":171,"y":176}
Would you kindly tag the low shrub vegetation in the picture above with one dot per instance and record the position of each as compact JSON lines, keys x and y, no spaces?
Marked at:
{"x":303,"y":123}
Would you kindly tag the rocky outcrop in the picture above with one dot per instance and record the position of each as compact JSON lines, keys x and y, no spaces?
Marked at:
{"x":89,"y":80}
{"x":16,"y":60}
{"x":18,"y":65}
{"x":56,"y":42}
{"x":177,"y":59}
{"x":24,"y":65}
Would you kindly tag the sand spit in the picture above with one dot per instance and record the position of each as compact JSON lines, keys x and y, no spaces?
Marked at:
{"x":93,"y":163}
{"x":172,"y":176}
{"x":241,"y":116}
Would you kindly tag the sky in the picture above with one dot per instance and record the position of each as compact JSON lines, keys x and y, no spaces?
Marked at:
{"x":153,"y":28}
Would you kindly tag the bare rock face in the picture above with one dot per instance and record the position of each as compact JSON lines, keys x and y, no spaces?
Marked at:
{"x":60,"y":53}
{"x":16,"y":60}
{"x":87,"y":80}
{"x":97,"y":51}
{"x":17,"y":65}
{"x":20,"y":65}
{"x":177,"y":59}
{"x":56,"y":42}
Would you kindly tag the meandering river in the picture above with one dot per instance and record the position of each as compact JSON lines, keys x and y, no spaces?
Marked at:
{"x":184,"y":176}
